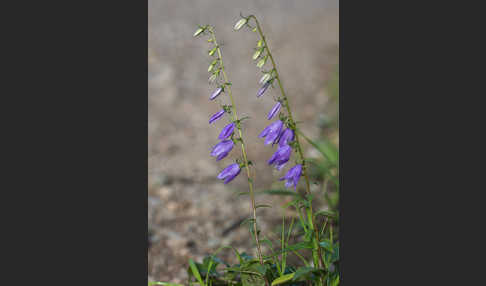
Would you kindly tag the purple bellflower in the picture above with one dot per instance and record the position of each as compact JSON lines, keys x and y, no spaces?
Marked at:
{"x":285,"y":137}
{"x":216,"y":93}
{"x":227,"y":131}
{"x":292,"y":177}
{"x":274,"y":110}
{"x":263,"y":89}
{"x":229,"y":173}
{"x":280,"y":157}
{"x":222,"y":149}
{"x":271,"y":132}
{"x":216,"y":116}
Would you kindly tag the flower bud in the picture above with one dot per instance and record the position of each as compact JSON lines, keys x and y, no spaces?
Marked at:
{"x":198,"y":32}
{"x":265,"y":78}
{"x":216,"y":93}
{"x":240,"y":24}
{"x":262,"y":62}
{"x":257,"y":54}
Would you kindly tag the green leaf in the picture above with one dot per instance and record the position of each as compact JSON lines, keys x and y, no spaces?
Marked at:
{"x":279,"y":192}
{"x":260,"y":44}
{"x":335,"y":282}
{"x":163,"y":283}
{"x":198,"y":32}
{"x":325,"y":213}
{"x":247,"y":220}
{"x":327,"y":245}
{"x":283,"y":279}
{"x":240,"y":24}
{"x":195,"y":272}
{"x":263,"y":206}
{"x":242,"y":194}
{"x":301,"y":271}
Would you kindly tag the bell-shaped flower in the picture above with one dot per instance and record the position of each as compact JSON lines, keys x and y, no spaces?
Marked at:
{"x":222,"y":149}
{"x":280,"y":157}
{"x":227,"y":131}
{"x":285,"y":137}
{"x":292,"y":177}
{"x":271,"y":132}
{"x":275,"y":110}
{"x":216,"y":93}
{"x":229,"y":173}
{"x":216,"y":116}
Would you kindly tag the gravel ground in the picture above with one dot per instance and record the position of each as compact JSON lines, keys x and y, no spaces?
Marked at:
{"x":189,"y":209}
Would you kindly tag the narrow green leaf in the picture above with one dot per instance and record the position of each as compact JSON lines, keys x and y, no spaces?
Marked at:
{"x":195,"y":272}
{"x":283,"y":279}
{"x":336,"y":281}
{"x":325,"y":213}
{"x":263,"y":206}
{"x":327,"y":245}
{"x":242,"y":194}
{"x":247,"y":220}
{"x":301,"y":271}
{"x":279,"y":192}
{"x":163,"y":283}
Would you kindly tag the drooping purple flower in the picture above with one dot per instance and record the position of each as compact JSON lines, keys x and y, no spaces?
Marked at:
{"x":274,"y":110}
{"x":229,"y":173}
{"x":263,"y":88}
{"x":285,"y":137}
{"x":222,"y":149}
{"x":271,"y":132}
{"x":280,"y":157}
{"x":216,"y":116}
{"x":216,"y":93}
{"x":227,"y":131}
{"x":292,"y":177}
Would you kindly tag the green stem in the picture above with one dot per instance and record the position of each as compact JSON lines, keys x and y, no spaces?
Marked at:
{"x":316,"y":249}
{"x":245,"y":160}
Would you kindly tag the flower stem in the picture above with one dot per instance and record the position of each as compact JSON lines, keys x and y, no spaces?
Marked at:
{"x":245,"y":159}
{"x":316,"y":251}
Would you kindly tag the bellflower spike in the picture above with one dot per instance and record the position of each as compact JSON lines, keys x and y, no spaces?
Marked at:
{"x":274,"y":110}
{"x":229,"y":173}
{"x":263,"y":89}
{"x":292,"y":177}
{"x":286,"y":137}
{"x":216,"y":93}
{"x":227,"y":131}
{"x":271,"y":132}
{"x":280,"y":157}
{"x":222,"y":149}
{"x":216,"y":116}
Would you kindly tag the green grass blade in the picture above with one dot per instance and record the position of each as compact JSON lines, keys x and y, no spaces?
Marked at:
{"x":195,"y":272}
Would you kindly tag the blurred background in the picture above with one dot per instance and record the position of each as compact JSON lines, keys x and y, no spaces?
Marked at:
{"x":190,"y":212}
